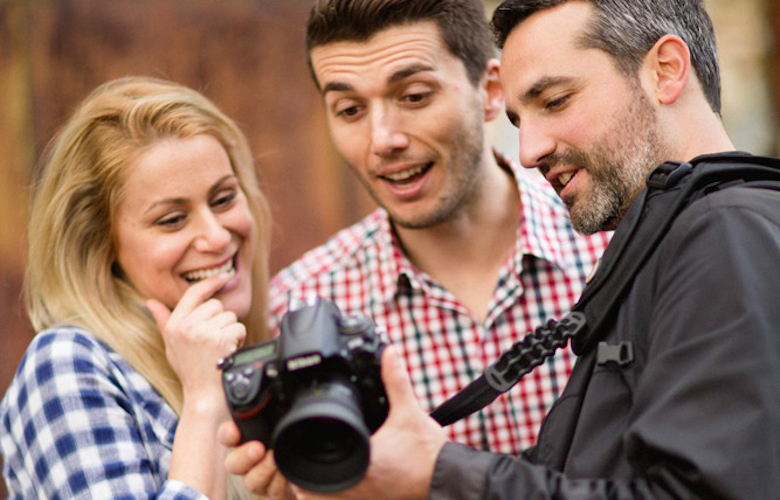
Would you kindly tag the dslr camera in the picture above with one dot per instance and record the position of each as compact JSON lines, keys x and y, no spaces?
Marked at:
{"x":314,"y":395}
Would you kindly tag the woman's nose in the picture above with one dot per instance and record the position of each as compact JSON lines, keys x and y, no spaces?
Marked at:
{"x":212,"y":235}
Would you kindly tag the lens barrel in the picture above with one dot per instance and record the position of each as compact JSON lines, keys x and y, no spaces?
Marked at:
{"x":322,"y":443}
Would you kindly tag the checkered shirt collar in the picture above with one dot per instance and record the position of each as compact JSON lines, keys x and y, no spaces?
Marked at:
{"x":537,"y":235}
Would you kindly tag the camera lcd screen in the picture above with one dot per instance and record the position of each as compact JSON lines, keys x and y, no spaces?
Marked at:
{"x":263,"y":351}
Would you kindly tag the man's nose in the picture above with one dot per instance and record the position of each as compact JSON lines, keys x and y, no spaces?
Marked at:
{"x":534,"y":144}
{"x":387,"y":135}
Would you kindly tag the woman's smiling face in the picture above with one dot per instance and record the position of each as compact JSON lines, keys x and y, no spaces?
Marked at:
{"x":183,"y":217}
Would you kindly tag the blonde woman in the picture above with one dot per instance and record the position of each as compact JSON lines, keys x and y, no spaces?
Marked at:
{"x":147,"y":263}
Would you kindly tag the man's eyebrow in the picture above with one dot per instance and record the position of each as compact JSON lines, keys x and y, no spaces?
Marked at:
{"x":394,"y":78}
{"x":408,"y":71}
{"x":543,"y":84}
{"x":336,"y":87}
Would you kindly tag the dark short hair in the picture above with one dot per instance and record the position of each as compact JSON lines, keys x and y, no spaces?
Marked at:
{"x":628,"y":29}
{"x":462,"y":23}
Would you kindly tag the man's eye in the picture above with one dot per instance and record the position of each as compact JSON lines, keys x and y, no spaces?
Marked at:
{"x":349,"y":112}
{"x":556,"y":103}
{"x":417,"y":98}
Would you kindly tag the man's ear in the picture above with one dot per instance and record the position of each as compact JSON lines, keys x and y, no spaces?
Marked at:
{"x":669,"y":63}
{"x":492,"y":91}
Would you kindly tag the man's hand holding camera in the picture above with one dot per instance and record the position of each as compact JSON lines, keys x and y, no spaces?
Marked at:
{"x":255,"y":463}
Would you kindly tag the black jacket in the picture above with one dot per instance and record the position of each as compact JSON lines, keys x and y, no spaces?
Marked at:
{"x":697,"y":414}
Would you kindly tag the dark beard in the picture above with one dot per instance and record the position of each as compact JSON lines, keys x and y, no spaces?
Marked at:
{"x":618,"y":165}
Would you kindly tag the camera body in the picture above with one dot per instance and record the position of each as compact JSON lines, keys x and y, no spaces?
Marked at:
{"x":314,"y":394}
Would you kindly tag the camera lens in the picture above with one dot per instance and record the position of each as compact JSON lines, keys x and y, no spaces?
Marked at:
{"x":322,"y":443}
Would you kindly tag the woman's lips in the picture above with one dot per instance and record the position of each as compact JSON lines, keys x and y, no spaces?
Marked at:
{"x":201,"y":274}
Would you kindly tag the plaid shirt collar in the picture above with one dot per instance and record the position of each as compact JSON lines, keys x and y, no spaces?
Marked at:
{"x":537,"y":237}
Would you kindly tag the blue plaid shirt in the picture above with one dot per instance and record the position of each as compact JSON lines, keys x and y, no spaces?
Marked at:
{"x":79,"y":422}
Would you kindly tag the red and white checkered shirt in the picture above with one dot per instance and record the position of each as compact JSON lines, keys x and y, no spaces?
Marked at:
{"x":445,"y":347}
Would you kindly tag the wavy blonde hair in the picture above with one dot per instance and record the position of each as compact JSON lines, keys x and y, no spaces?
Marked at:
{"x":72,"y":276}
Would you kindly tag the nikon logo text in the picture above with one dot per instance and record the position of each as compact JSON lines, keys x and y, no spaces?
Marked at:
{"x":303,"y":362}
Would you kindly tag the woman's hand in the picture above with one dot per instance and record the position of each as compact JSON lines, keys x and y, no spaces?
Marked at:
{"x":197,"y":333}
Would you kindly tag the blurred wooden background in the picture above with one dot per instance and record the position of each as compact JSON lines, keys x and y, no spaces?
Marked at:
{"x":248,"y":56}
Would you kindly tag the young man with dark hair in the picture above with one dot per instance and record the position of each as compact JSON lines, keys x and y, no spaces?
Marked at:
{"x":467,"y":252}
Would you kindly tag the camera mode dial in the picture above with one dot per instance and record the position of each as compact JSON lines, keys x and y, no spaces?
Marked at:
{"x":243,"y":384}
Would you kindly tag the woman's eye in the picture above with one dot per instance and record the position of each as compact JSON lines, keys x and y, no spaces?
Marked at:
{"x":224,"y":200}
{"x":171,"y":221}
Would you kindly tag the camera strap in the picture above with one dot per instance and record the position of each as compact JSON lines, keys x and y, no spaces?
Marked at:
{"x":670,"y":188}
{"x":511,"y":366}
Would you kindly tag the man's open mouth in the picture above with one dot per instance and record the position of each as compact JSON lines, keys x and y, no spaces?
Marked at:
{"x":408,"y":176}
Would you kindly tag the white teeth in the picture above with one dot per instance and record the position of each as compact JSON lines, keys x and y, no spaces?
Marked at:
{"x":565,"y":178}
{"x":202,"y":274}
{"x":405,"y":174}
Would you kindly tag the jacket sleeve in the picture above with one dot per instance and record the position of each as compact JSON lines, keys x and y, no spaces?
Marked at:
{"x":705,"y":416}
{"x":462,"y":473}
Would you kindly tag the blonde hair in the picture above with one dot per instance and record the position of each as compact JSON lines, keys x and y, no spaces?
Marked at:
{"x":71,"y":276}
